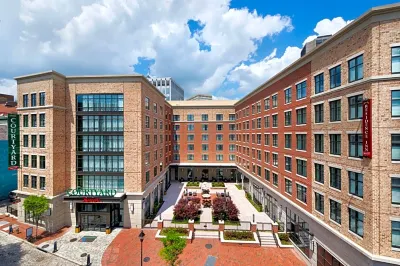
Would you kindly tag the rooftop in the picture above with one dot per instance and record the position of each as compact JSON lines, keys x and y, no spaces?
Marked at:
{"x":203,"y":103}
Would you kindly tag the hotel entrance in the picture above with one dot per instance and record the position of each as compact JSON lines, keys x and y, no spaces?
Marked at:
{"x":97,"y":216}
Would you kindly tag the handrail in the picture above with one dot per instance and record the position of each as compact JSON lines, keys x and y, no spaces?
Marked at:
{"x":259,"y":237}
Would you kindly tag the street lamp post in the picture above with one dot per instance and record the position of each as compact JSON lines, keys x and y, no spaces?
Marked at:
{"x":141,"y":237}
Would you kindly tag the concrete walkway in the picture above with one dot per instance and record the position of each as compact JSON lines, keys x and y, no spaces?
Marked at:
{"x":174,"y":193}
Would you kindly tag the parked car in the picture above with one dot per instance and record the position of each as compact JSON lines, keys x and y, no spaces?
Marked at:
{"x":12,"y":196}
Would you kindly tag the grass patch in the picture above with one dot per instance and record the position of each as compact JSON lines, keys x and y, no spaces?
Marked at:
{"x":218,"y":184}
{"x":228,"y":222}
{"x":179,"y":231}
{"x":284,"y":238}
{"x":255,"y":204}
{"x":239,"y":186}
{"x":239,"y":235}
{"x":193,"y":184}
{"x":185,"y":221}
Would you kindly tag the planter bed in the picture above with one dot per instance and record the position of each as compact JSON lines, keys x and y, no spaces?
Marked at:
{"x":257,"y":206}
{"x":227,"y":222}
{"x":217,"y":185}
{"x":180,"y":231}
{"x":239,"y":187}
{"x":246,"y":238}
{"x":195,"y":184}
{"x":284,"y":242}
{"x":188,"y":237}
{"x":186,"y":221}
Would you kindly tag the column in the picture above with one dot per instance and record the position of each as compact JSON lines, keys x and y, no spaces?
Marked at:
{"x":241,"y":176}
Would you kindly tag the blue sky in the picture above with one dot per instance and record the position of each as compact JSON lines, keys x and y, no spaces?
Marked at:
{"x":220,"y":47}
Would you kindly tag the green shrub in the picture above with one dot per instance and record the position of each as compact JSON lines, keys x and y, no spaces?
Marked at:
{"x":238,"y":235}
{"x":255,"y":204}
{"x":173,"y":246}
{"x":284,"y":238}
{"x":180,"y":231}
{"x":218,"y":184}
{"x":239,"y":187}
{"x":193,"y":184}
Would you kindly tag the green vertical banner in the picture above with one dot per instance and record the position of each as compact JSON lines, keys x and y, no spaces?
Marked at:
{"x":13,"y":142}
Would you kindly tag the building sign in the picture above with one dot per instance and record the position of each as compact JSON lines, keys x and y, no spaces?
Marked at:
{"x":91,"y":192}
{"x":13,"y":141}
{"x":367,"y":129}
{"x":92,"y":200}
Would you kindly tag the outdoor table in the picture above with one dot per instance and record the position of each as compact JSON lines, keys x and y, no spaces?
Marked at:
{"x":206,"y":196}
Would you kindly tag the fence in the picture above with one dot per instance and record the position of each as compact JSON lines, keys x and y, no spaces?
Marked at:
{"x":243,"y":226}
{"x":206,"y":226}
{"x":264,"y":226}
{"x":171,"y":224}
{"x":150,"y":223}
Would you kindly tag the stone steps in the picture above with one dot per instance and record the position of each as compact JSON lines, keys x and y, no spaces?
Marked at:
{"x":267,"y":239}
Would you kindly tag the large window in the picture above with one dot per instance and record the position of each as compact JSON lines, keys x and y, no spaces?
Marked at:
{"x":301,"y":142}
{"x":396,"y":103}
{"x":26,"y":180}
{"x":26,"y":141}
{"x":395,"y":147}
{"x":274,"y":100}
{"x":275,"y":159}
{"x":301,"y":90}
{"x":95,"y":143}
{"x":100,"y":163}
{"x":301,"y":193}
{"x":356,"y":68}
{"x":356,"y":184}
{"x":301,"y":167}
{"x":335,"y":178}
{"x":319,"y":83}
{"x":288,"y":141}
{"x":42,"y":98}
{"x":319,"y":143}
{"x":355,"y":145}
{"x":288,"y":118}
{"x":102,"y":103}
{"x":288,"y":95}
{"x":288,"y":164}
{"x":275,"y":120}
{"x":26,"y":160}
{"x":100,"y":123}
{"x":33,"y":181}
{"x":335,"y":76}
{"x":319,"y":203}
{"x":396,"y":234}
{"x":42,"y":162}
{"x":219,"y":117}
{"x":266,"y":103}
{"x":102,"y":182}
{"x":190,"y":117}
{"x":335,"y":144}
{"x":356,"y":222}
{"x":275,"y":140}
{"x":33,"y":120}
{"x":42,"y":141}
{"x":204,"y":117}
{"x":395,"y":190}
{"x":275,"y":179}
{"x":25,"y":100}
{"x":288,"y":186}
{"x":335,"y":211}
{"x":319,"y":113}
{"x":301,"y":116}
{"x":355,"y":107}
{"x":26,"y":120}
{"x":33,"y":161}
{"x":42,"y":120}
{"x":319,"y":172}
{"x":335,"y":110}
{"x":396,"y":59}
{"x":33,"y":99}
{"x":176,"y":118}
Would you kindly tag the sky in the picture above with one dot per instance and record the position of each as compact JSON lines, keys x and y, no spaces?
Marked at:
{"x":218,"y":47}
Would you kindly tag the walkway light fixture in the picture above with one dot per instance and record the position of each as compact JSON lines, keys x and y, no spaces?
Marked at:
{"x":141,"y":237}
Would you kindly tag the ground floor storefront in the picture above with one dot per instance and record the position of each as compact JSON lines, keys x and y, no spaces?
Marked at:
{"x":204,"y":173}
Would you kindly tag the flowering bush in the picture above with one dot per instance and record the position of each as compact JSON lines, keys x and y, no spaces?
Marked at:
{"x":186,"y":209}
{"x":225,"y":209}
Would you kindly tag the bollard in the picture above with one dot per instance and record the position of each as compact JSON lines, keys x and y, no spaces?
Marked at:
{"x":55,"y":247}
{"x":254,"y":218}
{"x":88,"y":260}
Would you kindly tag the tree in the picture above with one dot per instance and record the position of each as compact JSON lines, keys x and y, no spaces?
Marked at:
{"x":173,"y":246}
{"x":37,"y":206}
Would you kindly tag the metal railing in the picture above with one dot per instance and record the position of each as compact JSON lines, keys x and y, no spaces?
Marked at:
{"x":242,"y":226}
{"x":171,"y":224}
{"x":206,"y":226}
{"x":264,"y":226}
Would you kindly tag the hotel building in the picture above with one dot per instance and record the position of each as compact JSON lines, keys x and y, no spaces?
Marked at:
{"x":317,"y":145}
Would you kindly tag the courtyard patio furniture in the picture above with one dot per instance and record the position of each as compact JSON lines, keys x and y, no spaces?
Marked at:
{"x":190,"y":193}
{"x":195,"y":193}
{"x":206,"y":196}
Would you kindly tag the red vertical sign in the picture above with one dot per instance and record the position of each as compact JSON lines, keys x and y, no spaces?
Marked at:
{"x":367,"y":129}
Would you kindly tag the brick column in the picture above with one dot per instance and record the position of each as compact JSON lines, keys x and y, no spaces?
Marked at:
{"x":275,"y":228}
{"x":191,"y":225}
{"x":253,"y":227}
{"x":221,"y":225}
{"x":160,"y":224}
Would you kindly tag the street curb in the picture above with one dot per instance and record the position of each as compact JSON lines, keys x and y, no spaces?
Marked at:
{"x":43,"y":250}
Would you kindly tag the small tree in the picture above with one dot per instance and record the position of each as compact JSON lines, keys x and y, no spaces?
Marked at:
{"x":36,"y":206}
{"x":173,"y":246}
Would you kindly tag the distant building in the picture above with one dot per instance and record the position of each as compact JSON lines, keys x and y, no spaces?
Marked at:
{"x":313,"y":44}
{"x":199,"y":97}
{"x":171,"y":90}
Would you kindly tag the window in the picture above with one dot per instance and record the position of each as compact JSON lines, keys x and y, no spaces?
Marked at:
{"x":356,"y":222}
{"x":26,"y":160}
{"x":395,"y":190}
{"x":190,"y":137}
{"x":301,"y":90}
{"x":319,"y":143}
{"x":147,"y":103}
{"x":266,"y":155}
{"x":26,"y":141}
{"x":25,"y":100}
{"x":190,"y":117}
{"x":33,"y":181}
{"x":147,"y":176}
{"x":301,"y":167}
{"x":301,"y":116}
{"x":319,"y":173}
{"x":259,"y":107}
{"x":335,"y":76}
{"x":100,"y":102}
{"x":42,"y":183}
{"x":288,"y":118}
{"x":275,"y":179}
{"x":26,"y":180}
{"x":319,"y":113}
{"x":355,"y":107}
{"x":155,"y":107}
{"x":335,"y":177}
{"x":335,"y":144}
{"x":301,"y":193}
{"x":33,"y":99}
{"x":266,"y":104}
{"x":266,"y":121}
{"x":267,"y":175}
{"x":356,"y":68}
{"x":42,"y":141}
{"x":232,"y":137}
{"x":288,"y":186}
{"x":275,"y":140}
{"x":356,"y":184}
{"x":176,"y":127}
{"x":33,"y":141}
{"x":33,"y":161}
{"x":232,"y":147}
{"x":231,"y":117}
{"x":288,"y":95}
{"x":204,"y":137}
{"x":355,"y":145}
{"x":33,"y":120}
{"x":190,"y":157}
{"x":176,"y":118}
{"x":204,"y":117}
{"x":147,"y":140}
{"x":266,"y":139}
{"x":176,"y":147}
{"x":190,"y":147}
{"x":274,"y":100}
{"x":220,"y":127}
{"x":259,"y":123}
{"x":42,"y":120}
{"x":395,"y":234}
{"x":319,"y":203}
{"x":204,"y":157}
{"x":26,"y":121}
{"x":155,"y":122}
{"x":42,"y":162}
{"x":396,"y":59}
{"x":319,"y":83}
{"x":204,"y":127}
{"x":275,"y":120}
{"x":147,"y":121}
{"x":275,"y":159}
{"x":176,"y":157}
{"x":42,"y":98}
{"x":288,"y":164}
{"x":395,"y":147}
{"x":396,"y":101}
{"x":220,"y":157}
{"x":220,"y":117}
{"x":288,"y":141}
{"x":301,"y":142}
{"x":335,"y":211}
{"x":219,"y":147}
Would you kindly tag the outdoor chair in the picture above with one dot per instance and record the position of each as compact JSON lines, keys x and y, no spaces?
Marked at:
{"x":190,"y":193}
{"x":195,"y":193}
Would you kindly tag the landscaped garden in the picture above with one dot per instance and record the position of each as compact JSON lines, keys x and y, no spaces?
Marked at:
{"x":173,"y":246}
{"x":239,"y":186}
{"x":217,"y":184}
{"x":284,"y":238}
{"x":193,"y":184}
{"x":178,"y":230}
{"x":187,"y":209}
{"x":256,"y":205}
{"x":225,"y":209}
{"x":239,"y":235}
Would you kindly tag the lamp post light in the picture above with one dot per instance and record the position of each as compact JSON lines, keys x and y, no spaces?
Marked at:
{"x":141,"y":237}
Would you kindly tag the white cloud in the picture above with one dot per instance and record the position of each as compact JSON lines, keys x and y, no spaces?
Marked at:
{"x":8,"y":86}
{"x":327,"y":27}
